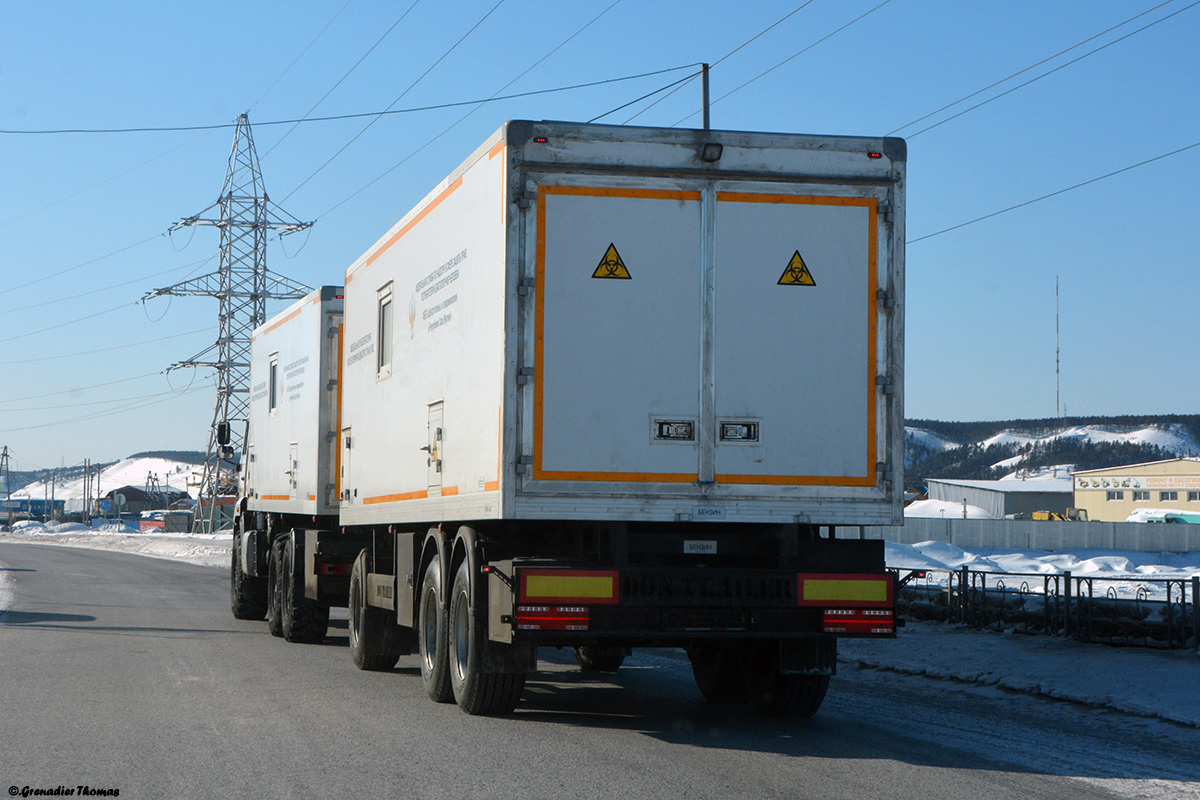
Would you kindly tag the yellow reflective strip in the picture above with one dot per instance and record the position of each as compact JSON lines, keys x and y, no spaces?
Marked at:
{"x":865,"y":591}
{"x":573,"y":586}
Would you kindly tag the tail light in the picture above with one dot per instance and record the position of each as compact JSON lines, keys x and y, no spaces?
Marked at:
{"x":551,"y":618}
{"x":333,"y":569}
{"x":860,"y":621}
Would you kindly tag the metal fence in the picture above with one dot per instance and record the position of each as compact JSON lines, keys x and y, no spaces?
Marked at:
{"x":1128,"y":611}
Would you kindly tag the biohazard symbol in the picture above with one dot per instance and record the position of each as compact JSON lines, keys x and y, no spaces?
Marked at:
{"x":796,"y":273}
{"x":611,"y":266}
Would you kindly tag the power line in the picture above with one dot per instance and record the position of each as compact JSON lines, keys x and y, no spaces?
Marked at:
{"x":105,"y":349}
{"x":99,"y":414}
{"x":68,"y":322}
{"x":420,"y":78}
{"x":1051,"y":72}
{"x":78,"y":266}
{"x":96,"y":402}
{"x":302,"y":52}
{"x":683,"y":80}
{"x":791,"y":57}
{"x":722,"y":58}
{"x":1026,"y":69}
{"x":1053,"y":194}
{"x":107,"y":288}
{"x":363,"y":58}
{"x":80,"y":388}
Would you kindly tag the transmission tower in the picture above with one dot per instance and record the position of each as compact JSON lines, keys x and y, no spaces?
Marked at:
{"x":245,"y":216}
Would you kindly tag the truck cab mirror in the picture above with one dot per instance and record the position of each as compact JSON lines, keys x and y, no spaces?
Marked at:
{"x":222,"y":433}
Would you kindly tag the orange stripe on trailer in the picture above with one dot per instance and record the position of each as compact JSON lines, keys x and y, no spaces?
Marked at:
{"x":337,"y":457}
{"x":275,"y":325}
{"x":413,"y":222}
{"x":796,"y":480}
{"x":275,"y":497}
{"x":449,"y":491}
{"x":312,"y":497}
{"x":491,"y":486}
{"x":606,"y":191}
{"x":395,"y":498}
{"x":634,"y":477}
{"x":497,"y":150}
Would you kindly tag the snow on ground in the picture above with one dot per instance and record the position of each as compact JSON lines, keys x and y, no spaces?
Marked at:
{"x":1133,"y":680}
{"x":1150,"y":683}
{"x":944,"y":508}
{"x":1174,"y":438}
{"x":171,"y":475}
{"x":934,"y":442}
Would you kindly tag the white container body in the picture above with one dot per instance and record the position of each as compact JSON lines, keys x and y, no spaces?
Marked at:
{"x":291,"y":454}
{"x":596,"y":324}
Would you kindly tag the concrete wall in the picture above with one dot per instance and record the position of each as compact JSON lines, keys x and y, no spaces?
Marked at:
{"x":1037,"y":535}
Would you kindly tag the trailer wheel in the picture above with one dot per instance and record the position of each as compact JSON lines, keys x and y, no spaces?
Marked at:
{"x":431,"y":636}
{"x":778,"y":695}
{"x":374,"y":636}
{"x":303,"y":624}
{"x":599,"y":659}
{"x":718,"y":674}
{"x":476,"y":689}
{"x":248,"y":595}
{"x":274,"y":592}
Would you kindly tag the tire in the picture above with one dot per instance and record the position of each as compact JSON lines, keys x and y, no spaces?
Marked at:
{"x":476,"y":690}
{"x":375,"y":643}
{"x":778,"y":695}
{"x":431,"y":636}
{"x":248,"y":596}
{"x":302,"y":624}
{"x":600,"y":659}
{"x":274,"y":591}
{"x":718,"y":673}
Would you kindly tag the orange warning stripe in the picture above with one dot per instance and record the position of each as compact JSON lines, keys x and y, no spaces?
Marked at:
{"x":277,"y":323}
{"x":413,"y":222}
{"x":395,"y":498}
{"x":495,"y":151}
{"x":275,"y":497}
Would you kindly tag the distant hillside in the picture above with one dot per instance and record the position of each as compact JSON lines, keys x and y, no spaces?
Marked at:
{"x":185,"y":456}
{"x":993,"y":450}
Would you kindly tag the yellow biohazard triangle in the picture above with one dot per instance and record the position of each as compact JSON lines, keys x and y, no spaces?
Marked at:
{"x":796,"y":273}
{"x":611,"y":266}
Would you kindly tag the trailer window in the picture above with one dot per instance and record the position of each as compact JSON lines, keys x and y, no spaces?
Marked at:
{"x":384,"y":332}
{"x":273,"y":392}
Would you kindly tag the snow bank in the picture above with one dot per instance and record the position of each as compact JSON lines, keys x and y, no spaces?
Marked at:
{"x":1148,"y":683}
{"x":944,"y":508}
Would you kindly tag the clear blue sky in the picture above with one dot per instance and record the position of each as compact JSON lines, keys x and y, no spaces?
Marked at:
{"x":980,"y":316}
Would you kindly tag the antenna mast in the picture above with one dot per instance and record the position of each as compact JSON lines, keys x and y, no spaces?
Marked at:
{"x":243,"y":284}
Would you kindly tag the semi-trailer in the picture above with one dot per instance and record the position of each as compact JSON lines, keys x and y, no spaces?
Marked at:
{"x":603,"y":388}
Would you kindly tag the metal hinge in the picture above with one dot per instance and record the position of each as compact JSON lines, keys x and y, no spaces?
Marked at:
{"x":525,"y":375}
{"x":884,"y":383}
{"x":332,"y":333}
{"x":524,"y":465}
{"x":332,"y":384}
{"x":885,"y":299}
{"x":525,"y":199}
{"x":329,"y":435}
{"x":526,"y":286}
{"x":886,"y":211}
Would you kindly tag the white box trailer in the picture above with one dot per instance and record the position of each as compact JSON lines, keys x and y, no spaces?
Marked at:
{"x":591,"y":322}
{"x":603,"y":387}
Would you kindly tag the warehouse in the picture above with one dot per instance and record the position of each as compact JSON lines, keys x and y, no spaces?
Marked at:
{"x":1005,"y":498}
{"x":1114,"y":493}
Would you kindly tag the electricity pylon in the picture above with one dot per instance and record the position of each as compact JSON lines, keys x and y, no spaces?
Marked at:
{"x":242,"y":284}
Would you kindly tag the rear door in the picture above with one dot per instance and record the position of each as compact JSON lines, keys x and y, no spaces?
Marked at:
{"x":618,"y":334}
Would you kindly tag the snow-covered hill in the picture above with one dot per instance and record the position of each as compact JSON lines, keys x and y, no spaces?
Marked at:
{"x":171,"y":476}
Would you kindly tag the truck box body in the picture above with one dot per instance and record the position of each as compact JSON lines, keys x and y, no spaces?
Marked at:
{"x":291,"y":449}
{"x":587,"y":322}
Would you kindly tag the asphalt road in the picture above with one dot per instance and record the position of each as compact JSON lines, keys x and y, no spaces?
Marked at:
{"x":129,"y":673}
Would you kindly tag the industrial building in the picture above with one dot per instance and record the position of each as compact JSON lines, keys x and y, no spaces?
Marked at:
{"x":1005,"y":498}
{"x":1112,"y":494}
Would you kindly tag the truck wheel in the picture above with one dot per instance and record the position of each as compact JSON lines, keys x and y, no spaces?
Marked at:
{"x":374,"y":635}
{"x":300,"y":623}
{"x":778,"y":695}
{"x":600,"y":659}
{"x":248,"y":596}
{"x":718,"y":674}
{"x":476,"y":690}
{"x":431,"y":636}
{"x":274,"y":592}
